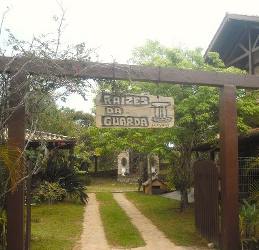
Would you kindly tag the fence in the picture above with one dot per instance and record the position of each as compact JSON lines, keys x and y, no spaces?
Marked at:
{"x":206,"y":195}
{"x":207,"y":192}
{"x":248,"y":176}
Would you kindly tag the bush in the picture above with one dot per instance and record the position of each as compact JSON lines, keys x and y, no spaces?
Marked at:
{"x":249,"y":219}
{"x":49,"y":192}
{"x":4,"y":179}
{"x":71,"y":182}
{"x":3,"y":229}
{"x":60,"y":169}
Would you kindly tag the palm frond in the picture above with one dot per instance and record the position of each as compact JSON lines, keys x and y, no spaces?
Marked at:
{"x":12,"y":159}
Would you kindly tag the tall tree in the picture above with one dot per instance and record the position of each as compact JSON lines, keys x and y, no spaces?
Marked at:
{"x":196,"y":107}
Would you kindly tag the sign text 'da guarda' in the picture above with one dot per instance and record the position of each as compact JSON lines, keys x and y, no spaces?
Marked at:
{"x":134,"y":111}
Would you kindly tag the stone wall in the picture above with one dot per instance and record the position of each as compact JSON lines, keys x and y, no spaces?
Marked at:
{"x":128,"y":179}
{"x":123,"y":163}
{"x":125,"y":167}
{"x":154,"y":163}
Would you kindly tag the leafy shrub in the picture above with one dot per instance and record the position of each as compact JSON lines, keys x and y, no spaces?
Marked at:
{"x":49,"y":192}
{"x":59,"y":169}
{"x":3,"y":185}
{"x":250,"y":244}
{"x":73,"y":184}
{"x":4,"y":177}
{"x":249,"y":219}
{"x":3,"y":229}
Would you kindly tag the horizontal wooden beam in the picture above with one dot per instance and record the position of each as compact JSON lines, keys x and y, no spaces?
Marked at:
{"x":243,"y":47}
{"x":95,"y":70}
{"x":255,"y":42}
{"x":255,"y":49}
{"x":237,"y":59}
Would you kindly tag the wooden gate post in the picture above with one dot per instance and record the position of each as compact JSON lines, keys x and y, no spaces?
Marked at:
{"x":230,"y":238}
{"x":16,"y":135}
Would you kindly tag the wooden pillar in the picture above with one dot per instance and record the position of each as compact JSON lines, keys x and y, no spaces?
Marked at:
{"x":28,"y":206}
{"x":230,"y":238}
{"x":250,"y":56}
{"x":16,"y":134}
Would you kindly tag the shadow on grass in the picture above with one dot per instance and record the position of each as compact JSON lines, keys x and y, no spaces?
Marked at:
{"x":165,"y":214}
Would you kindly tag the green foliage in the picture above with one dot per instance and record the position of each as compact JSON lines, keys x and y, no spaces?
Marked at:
{"x":59,"y":169}
{"x":194,"y":101}
{"x":3,"y":185}
{"x":40,"y":91}
{"x":102,"y":143}
{"x":49,"y":192}
{"x":41,"y":107}
{"x":249,"y":219}
{"x":11,"y":168}
{"x":196,"y":107}
{"x":3,"y":228}
{"x":181,"y":172}
{"x":37,"y":92}
{"x":12,"y":159}
{"x":196,"y":112}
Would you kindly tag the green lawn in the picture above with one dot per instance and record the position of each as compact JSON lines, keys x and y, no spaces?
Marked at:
{"x":164,"y":213}
{"x":57,"y":226}
{"x":109,"y":185}
{"x":119,"y":230}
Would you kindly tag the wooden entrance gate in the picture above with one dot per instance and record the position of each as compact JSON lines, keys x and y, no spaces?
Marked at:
{"x":206,"y":195}
{"x":22,"y":66}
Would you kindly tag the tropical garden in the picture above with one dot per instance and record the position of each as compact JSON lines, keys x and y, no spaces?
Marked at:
{"x":59,"y":180}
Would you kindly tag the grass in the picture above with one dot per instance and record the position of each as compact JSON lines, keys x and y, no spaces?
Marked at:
{"x":119,"y":230}
{"x":164,"y":213}
{"x":56,"y":226}
{"x":109,"y":185}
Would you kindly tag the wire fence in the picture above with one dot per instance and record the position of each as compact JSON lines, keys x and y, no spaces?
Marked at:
{"x":248,"y":176}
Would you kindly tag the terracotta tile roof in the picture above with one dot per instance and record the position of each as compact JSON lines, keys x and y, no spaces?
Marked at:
{"x":45,"y":136}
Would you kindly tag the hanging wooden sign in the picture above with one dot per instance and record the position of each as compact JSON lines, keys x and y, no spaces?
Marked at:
{"x":134,"y":111}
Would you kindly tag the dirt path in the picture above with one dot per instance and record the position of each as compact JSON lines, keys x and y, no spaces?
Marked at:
{"x":93,"y":236}
{"x":154,"y":238}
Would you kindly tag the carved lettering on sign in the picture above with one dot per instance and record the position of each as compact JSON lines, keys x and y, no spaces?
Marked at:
{"x":134,"y":111}
{"x":109,"y":99}
{"x":124,"y":121}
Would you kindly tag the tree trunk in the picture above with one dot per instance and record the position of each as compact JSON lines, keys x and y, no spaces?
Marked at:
{"x":150,"y":173}
{"x":95,"y":164}
{"x":184,"y":199}
{"x":186,"y":167}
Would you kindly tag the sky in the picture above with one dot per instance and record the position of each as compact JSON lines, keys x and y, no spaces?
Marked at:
{"x":115,"y":27}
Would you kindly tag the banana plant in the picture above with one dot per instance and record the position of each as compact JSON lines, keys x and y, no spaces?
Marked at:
{"x":3,"y":228}
{"x":12,"y":159}
{"x":249,"y":219}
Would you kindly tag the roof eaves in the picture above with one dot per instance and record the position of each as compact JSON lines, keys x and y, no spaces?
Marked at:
{"x":228,"y":17}
{"x":244,"y":18}
{"x":215,"y":37}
